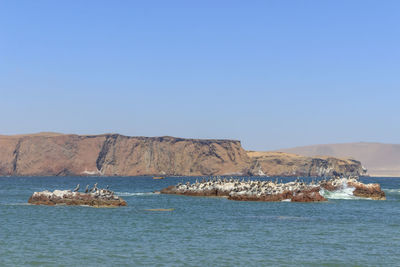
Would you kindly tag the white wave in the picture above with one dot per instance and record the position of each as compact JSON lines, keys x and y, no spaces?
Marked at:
{"x":344,"y":193}
{"x":128,"y":194}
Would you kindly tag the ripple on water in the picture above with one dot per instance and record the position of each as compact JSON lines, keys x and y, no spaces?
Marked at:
{"x":199,"y":232}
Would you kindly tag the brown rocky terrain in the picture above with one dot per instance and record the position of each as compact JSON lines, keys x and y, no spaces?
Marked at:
{"x":286,"y":164}
{"x":114,"y":154}
{"x":380,"y":159}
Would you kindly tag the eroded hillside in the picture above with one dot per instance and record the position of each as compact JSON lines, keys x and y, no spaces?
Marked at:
{"x":118,"y":155}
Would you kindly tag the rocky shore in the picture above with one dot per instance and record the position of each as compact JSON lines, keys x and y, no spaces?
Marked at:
{"x":372,"y":191}
{"x":296,"y":191}
{"x":100,"y":198}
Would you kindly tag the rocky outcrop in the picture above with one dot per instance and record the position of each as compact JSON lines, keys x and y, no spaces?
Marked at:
{"x":285,"y":164}
{"x":102,"y":198}
{"x":306,"y":195}
{"x":50,"y":154}
{"x":372,"y":191}
{"x":296,"y":191}
{"x":381,"y":160}
{"x":249,"y":190}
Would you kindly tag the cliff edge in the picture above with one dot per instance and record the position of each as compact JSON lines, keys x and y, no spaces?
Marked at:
{"x":286,"y":164}
{"x":49,"y":154}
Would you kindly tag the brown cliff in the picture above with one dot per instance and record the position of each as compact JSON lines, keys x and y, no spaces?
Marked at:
{"x":380,"y":159}
{"x":285,"y":164}
{"x":118,"y":155}
{"x":114,"y":154}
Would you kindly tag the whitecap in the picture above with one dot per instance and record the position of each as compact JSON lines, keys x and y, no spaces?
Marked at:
{"x":343,"y":193}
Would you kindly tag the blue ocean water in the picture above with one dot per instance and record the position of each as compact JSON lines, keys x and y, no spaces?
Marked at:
{"x":198,"y":232}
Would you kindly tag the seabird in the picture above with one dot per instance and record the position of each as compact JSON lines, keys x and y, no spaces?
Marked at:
{"x":76,"y":188}
{"x":94,"y":189}
{"x":87,"y":189}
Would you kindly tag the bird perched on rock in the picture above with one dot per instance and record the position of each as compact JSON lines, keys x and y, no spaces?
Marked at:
{"x":94,"y":189}
{"x":76,"y":188}
{"x":87,"y":189}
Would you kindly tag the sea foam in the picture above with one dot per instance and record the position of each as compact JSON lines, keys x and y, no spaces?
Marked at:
{"x":344,"y":193}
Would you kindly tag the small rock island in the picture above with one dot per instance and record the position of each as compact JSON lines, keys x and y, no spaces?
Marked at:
{"x":372,"y":191}
{"x":296,"y":191}
{"x":95,"y":198}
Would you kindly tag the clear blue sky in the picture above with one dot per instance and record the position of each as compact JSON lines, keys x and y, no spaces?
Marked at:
{"x":272,"y":74}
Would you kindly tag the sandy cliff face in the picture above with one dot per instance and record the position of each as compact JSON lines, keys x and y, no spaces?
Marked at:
{"x":49,"y":155}
{"x":114,"y":154}
{"x":169,"y":155}
{"x":119,"y":155}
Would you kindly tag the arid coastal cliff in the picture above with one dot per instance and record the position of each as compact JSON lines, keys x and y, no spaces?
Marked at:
{"x":286,"y":164}
{"x":118,"y":155}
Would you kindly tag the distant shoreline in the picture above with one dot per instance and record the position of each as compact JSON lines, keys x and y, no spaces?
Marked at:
{"x":55,"y":154}
{"x":380,"y":159}
{"x":385,"y":176}
{"x":183,"y":176}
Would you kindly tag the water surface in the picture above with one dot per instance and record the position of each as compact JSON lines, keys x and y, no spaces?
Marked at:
{"x":198,"y":232}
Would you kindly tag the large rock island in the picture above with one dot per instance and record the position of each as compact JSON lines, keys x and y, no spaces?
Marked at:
{"x":51,"y":154}
{"x":235,"y":189}
{"x":359,"y":189}
{"x":296,"y":191}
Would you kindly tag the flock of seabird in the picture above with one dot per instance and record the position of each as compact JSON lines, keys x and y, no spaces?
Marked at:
{"x":94,"y":189}
{"x":252,"y":187}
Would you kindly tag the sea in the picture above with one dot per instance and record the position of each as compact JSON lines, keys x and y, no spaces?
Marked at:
{"x":195,"y":231}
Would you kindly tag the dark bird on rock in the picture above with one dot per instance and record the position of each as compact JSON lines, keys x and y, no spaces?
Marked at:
{"x":94,"y":189}
{"x":76,"y":188}
{"x":87,"y":189}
